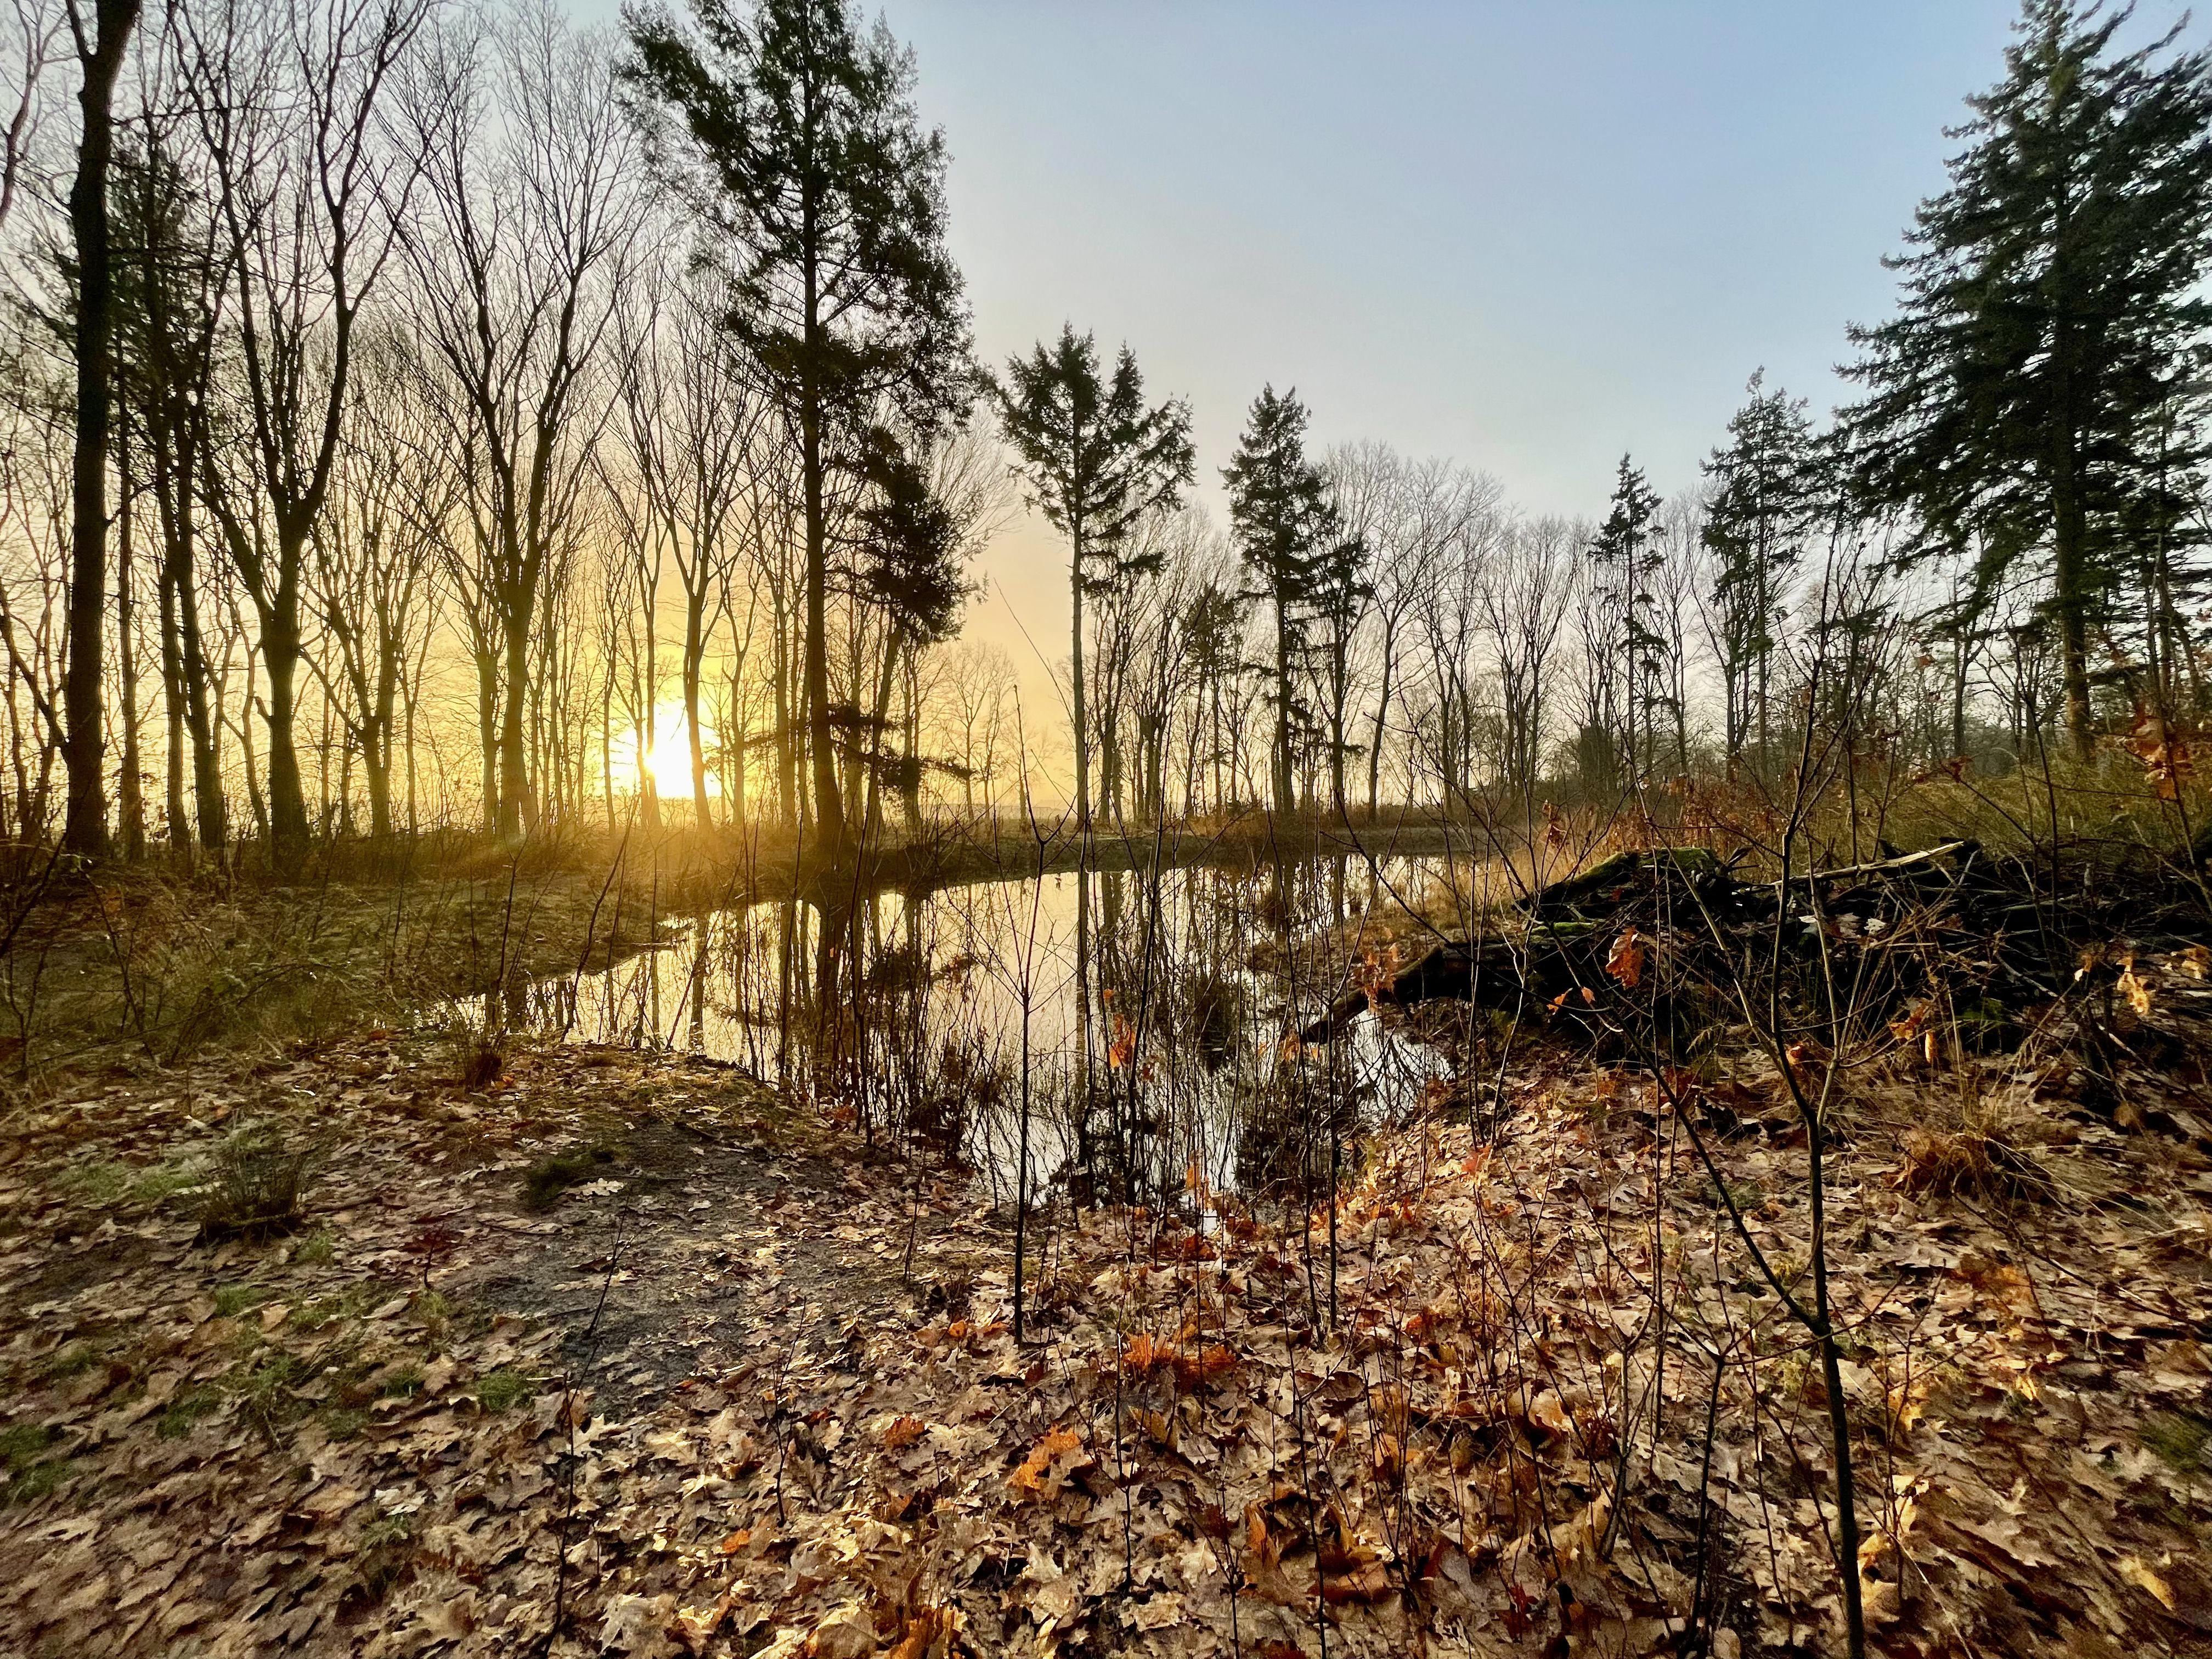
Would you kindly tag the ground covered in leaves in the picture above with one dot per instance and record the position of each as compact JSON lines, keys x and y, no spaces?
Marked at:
{"x":626,"y":1355}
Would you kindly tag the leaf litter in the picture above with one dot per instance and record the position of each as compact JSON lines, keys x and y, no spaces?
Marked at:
{"x":745,"y":1392}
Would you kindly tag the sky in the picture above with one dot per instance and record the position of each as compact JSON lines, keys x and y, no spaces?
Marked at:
{"x":1529,"y":236}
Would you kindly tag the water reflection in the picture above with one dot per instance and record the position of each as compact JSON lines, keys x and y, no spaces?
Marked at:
{"x":955,"y":1018}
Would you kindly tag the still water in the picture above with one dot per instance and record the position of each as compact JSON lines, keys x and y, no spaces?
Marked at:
{"x":957,"y":1015}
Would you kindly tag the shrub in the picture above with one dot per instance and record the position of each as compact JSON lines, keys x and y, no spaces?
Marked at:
{"x":258,"y":1180}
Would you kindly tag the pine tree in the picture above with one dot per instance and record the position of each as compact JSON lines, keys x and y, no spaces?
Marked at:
{"x":1292,"y":542}
{"x":1625,"y":554}
{"x":1766,"y":495}
{"x":793,"y":129}
{"x":2052,"y":312}
{"x":1097,"y":460}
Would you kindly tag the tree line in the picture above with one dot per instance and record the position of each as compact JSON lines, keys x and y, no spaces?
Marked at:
{"x":406,"y":403}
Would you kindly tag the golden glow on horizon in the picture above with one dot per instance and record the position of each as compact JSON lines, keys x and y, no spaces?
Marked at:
{"x":667,"y":756}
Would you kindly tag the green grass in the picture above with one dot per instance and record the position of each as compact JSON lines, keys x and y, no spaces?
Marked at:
{"x":159,"y":1183}
{"x":343,"y":1422}
{"x":403,"y":1383}
{"x":232,"y":1300}
{"x":264,"y":1390}
{"x":2178,"y":1439}
{"x":500,"y":1389}
{"x":551,"y":1177}
{"x":319,"y":1250}
{"x":326,"y":1311}
{"x":73,"y":1361}
{"x":29,"y":1476}
{"x":101,"y":1182}
{"x":185,"y":1410}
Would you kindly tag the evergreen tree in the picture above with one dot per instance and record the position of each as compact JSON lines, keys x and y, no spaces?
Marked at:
{"x":2052,"y":311}
{"x":793,"y":129}
{"x":1097,"y":460}
{"x":1625,"y":556}
{"x":1766,"y":495}
{"x":1292,"y":540}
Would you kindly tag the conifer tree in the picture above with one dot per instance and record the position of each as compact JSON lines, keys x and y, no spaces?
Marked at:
{"x":2052,"y":313}
{"x":792,"y":126}
{"x":1625,"y":554}
{"x":1289,"y":537}
{"x":1097,"y":459}
{"x":1766,"y":493}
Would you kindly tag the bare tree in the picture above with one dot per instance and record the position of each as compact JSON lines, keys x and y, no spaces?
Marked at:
{"x":374,"y":554}
{"x":691,"y":422}
{"x":519,"y":255}
{"x":310,"y":188}
{"x":1523,"y":606}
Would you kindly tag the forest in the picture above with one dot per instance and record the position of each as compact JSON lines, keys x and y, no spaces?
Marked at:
{"x":606,"y":1048}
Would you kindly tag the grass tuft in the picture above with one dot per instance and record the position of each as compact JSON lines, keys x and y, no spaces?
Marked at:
{"x":501,"y":1390}
{"x":551,"y":1177}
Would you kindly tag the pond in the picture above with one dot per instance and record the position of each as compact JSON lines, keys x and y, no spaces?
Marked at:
{"x":1121,"y":1029}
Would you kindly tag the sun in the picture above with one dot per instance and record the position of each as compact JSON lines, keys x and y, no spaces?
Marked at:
{"x":668,"y":760}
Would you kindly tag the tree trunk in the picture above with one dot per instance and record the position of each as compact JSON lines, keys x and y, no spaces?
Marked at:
{"x":178,"y":581}
{"x":488,"y":724}
{"x":1382,"y":713}
{"x":84,"y":827}
{"x":695,"y":646}
{"x":172,"y":708}
{"x":1283,"y":783}
{"x":2071,"y":583}
{"x":828,"y":803}
{"x":288,"y":801}
{"x":131,"y":794}
{"x":515,"y":812}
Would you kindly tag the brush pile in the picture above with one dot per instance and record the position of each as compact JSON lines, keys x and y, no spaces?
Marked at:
{"x":1665,"y":945}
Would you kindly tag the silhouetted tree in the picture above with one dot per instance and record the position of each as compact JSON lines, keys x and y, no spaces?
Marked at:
{"x":794,"y":130}
{"x":1624,"y":557}
{"x":2021,"y":401}
{"x":100,"y":42}
{"x":1292,"y":540}
{"x":1097,"y":459}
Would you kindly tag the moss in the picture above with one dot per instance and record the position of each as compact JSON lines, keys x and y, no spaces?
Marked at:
{"x":500,"y":1389}
{"x":551,"y":1177}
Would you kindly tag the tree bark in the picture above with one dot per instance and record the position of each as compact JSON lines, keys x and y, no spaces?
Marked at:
{"x":84,"y":827}
{"x":131,"y":794}
{"x":516,"y":814}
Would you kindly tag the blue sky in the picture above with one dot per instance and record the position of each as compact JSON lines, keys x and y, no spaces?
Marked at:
{"x":1528,"y":235}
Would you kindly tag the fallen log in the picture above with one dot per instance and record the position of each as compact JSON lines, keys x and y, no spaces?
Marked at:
{"x":1572,"y":922}
{"x":1446,"y":969}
